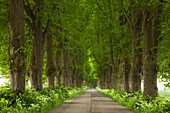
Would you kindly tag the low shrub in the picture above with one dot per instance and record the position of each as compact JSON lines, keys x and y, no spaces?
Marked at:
{"x":33,"y":101}
{"x":138,"y":102}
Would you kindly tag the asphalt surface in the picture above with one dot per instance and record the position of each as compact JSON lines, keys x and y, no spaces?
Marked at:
{"x":91,"y":101}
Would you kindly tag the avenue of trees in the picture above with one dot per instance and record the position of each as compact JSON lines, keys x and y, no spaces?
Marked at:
{"x":112,"y":44}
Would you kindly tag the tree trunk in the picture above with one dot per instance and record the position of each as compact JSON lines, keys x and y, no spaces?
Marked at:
{"x":127,"y":67}
{"x":17,"y":44}
{"x":150,"y":40}
{"x":136,"y":27}
{"x":109,"y":76}
{"x":115,"y":74}
{"x":58,"y":80}
{"x":76,"y":77}
{"x":112,"y":62}
{"x":121,"y":76}
{"x":50,"y":67}
{"x":65,"y":67}
{"x":75,"y":71}
{"x":38,"y":41}
{"x":136,"y":65}
{"x":70,"y":71}
{"x":58,"y":62}
{"x":36,"y":68}
{"x":58,"y":59}
{"x":73,"y":77}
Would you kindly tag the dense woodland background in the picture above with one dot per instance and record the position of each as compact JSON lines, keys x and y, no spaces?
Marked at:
{"x":112,"y":44}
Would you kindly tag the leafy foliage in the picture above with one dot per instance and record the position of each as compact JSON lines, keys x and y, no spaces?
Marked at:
{"x":90,"y":30}
{"x":139,"y":103}
{"x":4,"y":35}
{"x":164,"y":51}
{"x":35,"y":101}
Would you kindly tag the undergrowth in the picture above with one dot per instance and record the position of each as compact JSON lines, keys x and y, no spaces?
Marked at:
{"x":165,"y":94}
{"x":33,"y":101}
{"x":138,"y":102}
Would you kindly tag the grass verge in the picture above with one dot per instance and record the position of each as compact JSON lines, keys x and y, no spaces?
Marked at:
{"x":33,"y":101}
{"x":139,"y":103}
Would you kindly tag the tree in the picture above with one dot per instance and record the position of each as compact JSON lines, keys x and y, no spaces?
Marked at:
{"x":50,"y":67}
{"x":135,"y":23}
{"x":151,"y":30}
{"x":39,"y":36}
{"x":16,"y":51}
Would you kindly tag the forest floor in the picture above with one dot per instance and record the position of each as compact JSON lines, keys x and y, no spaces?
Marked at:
{"x":91,"y":101}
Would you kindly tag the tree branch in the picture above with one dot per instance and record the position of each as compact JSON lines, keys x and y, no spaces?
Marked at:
{"x":29,"y":12}
{"x":101,"y":9}
{"x":128,"y":19}
{"x":126,"y":15}
{"x":47,"y":28}
{"x":151,"y":17}
{"x":30,"y":25}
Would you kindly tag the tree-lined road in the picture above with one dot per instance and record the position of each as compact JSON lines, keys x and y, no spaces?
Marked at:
{"x":91,"y":101}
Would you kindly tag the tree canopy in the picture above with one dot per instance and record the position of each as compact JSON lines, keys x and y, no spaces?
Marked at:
{"x":108,"y":43}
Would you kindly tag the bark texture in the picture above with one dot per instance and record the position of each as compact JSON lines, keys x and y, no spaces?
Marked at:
{"x":150,"y":72}
{"x":50,"y":67}
{"x":58,"y":64}
{"x":151,"y":27}
{"x":115,"y":73}
{"x":64,"y":67}
{"x":38,"y":42}
{"x":127,"y":67}
{"x":17,"y":44}
{"x":136,"y":26}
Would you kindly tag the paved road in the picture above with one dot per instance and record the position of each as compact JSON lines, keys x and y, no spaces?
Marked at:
{"x":91,"y":101}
